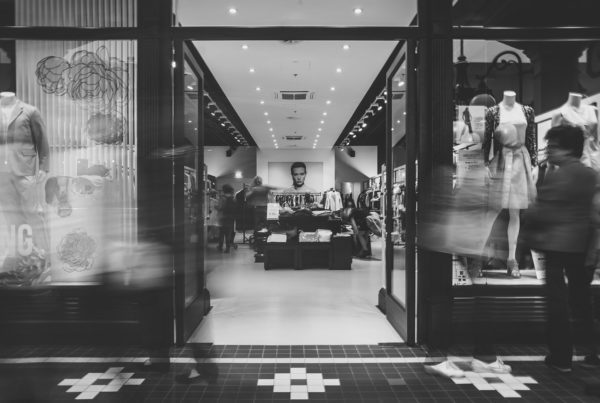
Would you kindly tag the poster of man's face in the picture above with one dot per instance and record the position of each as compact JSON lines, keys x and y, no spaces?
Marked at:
{"x":296,"y":176}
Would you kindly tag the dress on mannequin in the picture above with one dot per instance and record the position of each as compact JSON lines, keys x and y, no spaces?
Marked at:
{"x":576,"y":113}
{"x":512,"y":183}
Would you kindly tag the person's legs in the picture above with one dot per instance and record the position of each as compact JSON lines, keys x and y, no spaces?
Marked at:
{"x":580,"y":298}
{"x":221,"y":237}
{"x":228,"y":235}
{"x":560,"y":344}
{"x":514,"y":225}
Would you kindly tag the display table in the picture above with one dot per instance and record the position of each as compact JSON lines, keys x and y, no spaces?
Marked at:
{"x":334,"y":255}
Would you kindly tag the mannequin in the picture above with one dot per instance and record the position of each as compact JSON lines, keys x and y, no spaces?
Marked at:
{"x":512,"y":171}
{"x":576,"y":113}
{"x":24,"y":163}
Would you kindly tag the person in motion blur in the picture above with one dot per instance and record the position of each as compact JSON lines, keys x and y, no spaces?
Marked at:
{"x":559,"y":225}
{"x":226,"y":215}
{"x":257,"y":197}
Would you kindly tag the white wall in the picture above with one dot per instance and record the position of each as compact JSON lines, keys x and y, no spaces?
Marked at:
{"x":263,"y":157}
{"x":355,"y":169}
{"x":220,"y":165}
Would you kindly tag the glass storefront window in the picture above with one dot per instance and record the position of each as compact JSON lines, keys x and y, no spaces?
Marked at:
{"x":72,"y":13}
{"x":332,"y":13}
{"x":67,"y":159}
{"x":397,"y":99}
{"x":507,"y":96}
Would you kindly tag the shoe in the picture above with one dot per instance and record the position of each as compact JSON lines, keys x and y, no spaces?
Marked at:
{"x":447,"y":369}
{"x":496,"y":367}
{"x":591,"y":362}
{"x":512,"y":269}
{"x":564,"y":369}
{"x":149,"y":366}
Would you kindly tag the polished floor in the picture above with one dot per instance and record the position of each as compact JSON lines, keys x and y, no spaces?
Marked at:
{"x":251,"y":305}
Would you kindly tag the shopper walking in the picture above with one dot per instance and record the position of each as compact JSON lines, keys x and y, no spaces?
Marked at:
{"x":226,"y":217}
{"x":559,"y":225}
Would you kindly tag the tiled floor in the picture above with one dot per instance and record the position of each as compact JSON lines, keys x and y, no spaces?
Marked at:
{"x":248,"y":373}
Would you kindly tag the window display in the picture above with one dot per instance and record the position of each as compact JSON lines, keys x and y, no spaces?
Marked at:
{"x":67,"y":145}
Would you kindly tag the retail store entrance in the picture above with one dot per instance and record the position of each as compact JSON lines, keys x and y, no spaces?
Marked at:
{"x":293,"y":234}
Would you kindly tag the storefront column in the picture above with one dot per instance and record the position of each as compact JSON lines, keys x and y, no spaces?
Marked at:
{"x":435,"y":86}
{"x":155,"y":163}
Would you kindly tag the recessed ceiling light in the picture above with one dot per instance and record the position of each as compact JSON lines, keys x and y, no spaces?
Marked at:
{"x":319,"y":129}
{"x":245,"y":47}
{"x":189,"y":87}
{"x":266,"y":113}
{"x":318,"y":135}
{"x":189,"y":121}
{"x":404,"y":113}
{"x":400,"y":83}
{"x":338,"y":70}
{"x":364,"y":125}
{"x":272,"y":135}
{"x":223,"y":124}
{"x":262,"y":102}
{"x":251,"y":70}
{"x":332,"y":88}
{"x":392,"y":129}
{"x":233,"y":10}
{"x":379,"y":107}
{"x":322,"y":122}
{"x":257,"y":88}
{"x":328,"y":102}
{"x":270,"y":129}
{"x":324,"y":113}
{"x":346,"y":46}
{"x":384,"y":92}
{"x":360,"y":130}
{"x":357,"y":11}
{"x":398,"y":121}
{"x":268,"y":122}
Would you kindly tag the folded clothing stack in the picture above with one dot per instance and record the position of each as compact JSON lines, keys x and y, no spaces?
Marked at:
{"x":308,"y":237}
{"x":277,"y":238}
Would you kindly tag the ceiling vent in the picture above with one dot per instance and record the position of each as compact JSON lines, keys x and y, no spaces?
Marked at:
{"x":397,"y":94}
{"x":294,"y":95}
{"x":293,"y":138}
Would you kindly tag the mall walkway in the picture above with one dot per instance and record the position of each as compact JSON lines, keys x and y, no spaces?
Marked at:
{"x":252,"y":373}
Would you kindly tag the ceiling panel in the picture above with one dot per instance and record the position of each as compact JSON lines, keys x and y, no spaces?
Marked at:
{"x":298,"y":69}
{"x":335,"y":13}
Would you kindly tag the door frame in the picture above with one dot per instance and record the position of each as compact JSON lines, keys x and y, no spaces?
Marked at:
{"x":402,"y":316}
{"x":187,"y":318}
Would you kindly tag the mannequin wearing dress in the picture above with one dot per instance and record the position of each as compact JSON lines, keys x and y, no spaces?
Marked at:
{"x":576,"y":113}
{"x":513,"y":169}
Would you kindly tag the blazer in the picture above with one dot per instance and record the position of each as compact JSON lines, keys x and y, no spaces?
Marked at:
{"x":24,"y":144}
{"x":560,"y":220}
{"x":492,"y":121}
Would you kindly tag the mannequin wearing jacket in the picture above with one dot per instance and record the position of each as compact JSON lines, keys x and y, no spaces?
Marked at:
{"x":24,"y":164}
{"x":513,"y":169}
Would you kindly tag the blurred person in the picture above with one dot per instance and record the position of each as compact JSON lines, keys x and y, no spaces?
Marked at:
{"x":457,"y":223}
{"x":257,"y":197}
{"x":559,"y":225}
{"x":357,"y":218}
{"x":298,"y":172}
{"x":226,"y":217}
{"x":144,"y":270}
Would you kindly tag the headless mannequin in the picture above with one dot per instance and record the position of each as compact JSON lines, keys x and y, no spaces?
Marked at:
{"x":510,"y":107}
{"x":8,"y":100}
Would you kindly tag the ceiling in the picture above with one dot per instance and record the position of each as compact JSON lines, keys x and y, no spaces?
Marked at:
{"x":309,"y":67}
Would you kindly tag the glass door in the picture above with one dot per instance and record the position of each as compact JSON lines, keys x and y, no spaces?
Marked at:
{"x":191,"y":297}
{"x":400,"y":207}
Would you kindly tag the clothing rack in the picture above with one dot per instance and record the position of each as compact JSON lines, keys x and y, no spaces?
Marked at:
{"x":295,"y":199}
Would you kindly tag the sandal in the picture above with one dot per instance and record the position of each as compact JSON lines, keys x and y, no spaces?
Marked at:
{"x":513,"y":269}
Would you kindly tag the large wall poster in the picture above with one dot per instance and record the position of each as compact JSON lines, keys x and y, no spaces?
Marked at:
{"x":280,"y":176}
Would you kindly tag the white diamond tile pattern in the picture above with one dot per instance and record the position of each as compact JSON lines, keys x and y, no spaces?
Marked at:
{"x":314,"y":383}
{"x":507,"y":385}
{"x":88,"y":390}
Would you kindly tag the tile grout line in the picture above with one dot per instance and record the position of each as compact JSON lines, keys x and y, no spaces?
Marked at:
{"x":191,"y":360}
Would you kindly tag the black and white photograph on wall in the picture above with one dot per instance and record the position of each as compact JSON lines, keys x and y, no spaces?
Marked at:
{"x":296,"y":177}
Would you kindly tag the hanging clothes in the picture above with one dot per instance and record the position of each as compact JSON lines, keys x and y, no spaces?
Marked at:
{"x":333,"y":200}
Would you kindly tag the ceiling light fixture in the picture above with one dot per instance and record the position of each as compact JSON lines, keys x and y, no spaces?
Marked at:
{"x":257,"y":88}
{"x":322,"y":122}
{"x":328,"y":102}
{"x":189,"y":87}
{"x":251,"y":70}
{"x":379,"y":107}
{"x":272,"y":135}
{"x":266,"y":113}
{"x":346,"y":46}
{"x":262,"y":102}
{"x":270,"y":129}
{"x":358,"y":11}
{"x":233,"y":10}
{"x":245,"y":47}
{"x":268,"y":122}
{"x":338,"y":70}
{"x":319,"y":129}
{"x":318,"y":135}
{"x":324,"y":113}
{"x":332,"y":88}
{"x":400,"y":83}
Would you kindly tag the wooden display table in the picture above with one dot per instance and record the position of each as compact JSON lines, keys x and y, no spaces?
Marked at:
{"x":334,"y":255}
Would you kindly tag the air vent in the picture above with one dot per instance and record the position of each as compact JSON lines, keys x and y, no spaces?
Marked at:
{"x":397,"y":94}
{"x":292,"y":117}
{"x":293,"y":138}
{"x":294,"y":95}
